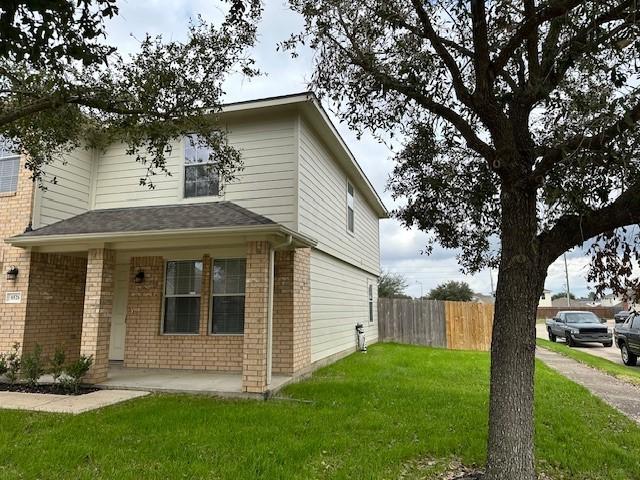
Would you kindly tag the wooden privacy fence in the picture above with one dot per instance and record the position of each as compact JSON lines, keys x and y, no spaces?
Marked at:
{"x":454,"y":325}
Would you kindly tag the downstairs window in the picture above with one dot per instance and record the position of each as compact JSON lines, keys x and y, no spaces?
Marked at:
{"x":183,"y":283}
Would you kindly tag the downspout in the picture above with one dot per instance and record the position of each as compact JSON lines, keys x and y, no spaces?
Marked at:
{"x":272,"y":255}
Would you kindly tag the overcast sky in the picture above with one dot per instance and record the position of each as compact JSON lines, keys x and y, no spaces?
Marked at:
{"x":283,"y":75}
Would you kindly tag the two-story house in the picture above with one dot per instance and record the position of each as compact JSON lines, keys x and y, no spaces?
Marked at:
{"x":268,"y":274}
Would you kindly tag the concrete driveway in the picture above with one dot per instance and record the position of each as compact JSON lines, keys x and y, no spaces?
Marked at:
{"x":610,"y":353}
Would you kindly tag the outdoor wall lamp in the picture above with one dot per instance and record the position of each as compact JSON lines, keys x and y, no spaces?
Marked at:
{"x":12,"y":273}
{"x":139,"y":278}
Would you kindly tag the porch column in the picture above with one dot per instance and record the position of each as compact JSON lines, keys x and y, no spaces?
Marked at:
{"x":96,"y":319}
{"x":292,"y":312}
{"x":254,"y":354}
{"x":301,"y":309}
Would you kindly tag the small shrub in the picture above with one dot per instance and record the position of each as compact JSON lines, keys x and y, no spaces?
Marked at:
{"x":32,"y":366}
{"x":56,"y":365}
{"x":3,"y":364}
{"x":75,"y":372}
{"x":13,"y":364}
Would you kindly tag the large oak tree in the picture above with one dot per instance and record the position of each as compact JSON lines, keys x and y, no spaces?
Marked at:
{"x":521,"y":119}
{"x":62,"y":85}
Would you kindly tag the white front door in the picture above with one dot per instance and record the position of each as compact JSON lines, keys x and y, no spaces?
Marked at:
{"x":119,"y":314}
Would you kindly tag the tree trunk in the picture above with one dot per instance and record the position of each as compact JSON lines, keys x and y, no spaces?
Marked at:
{"x":520,"y":284}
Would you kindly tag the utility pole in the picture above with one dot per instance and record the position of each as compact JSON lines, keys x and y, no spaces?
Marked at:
{"x":421,"y":293}
{"x":491,"y":278}
{"x":566,"y":274}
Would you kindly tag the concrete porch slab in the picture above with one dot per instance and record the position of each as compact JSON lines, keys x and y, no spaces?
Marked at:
{"x":183,"y":381}
{"x":74,"y":404}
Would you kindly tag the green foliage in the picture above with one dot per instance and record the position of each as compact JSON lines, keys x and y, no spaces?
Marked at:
{"x":391,"y":285}
{"x":3,"y":364}
{"x":75,"y":372}
{"x":56,"y":364}
{"x":452,"y":291}
{"x":556,"y":296}
{"x":32,"y":366}
{"x":166,"y":90}
{"x":40,"y":34}
{"x":13,"y":363}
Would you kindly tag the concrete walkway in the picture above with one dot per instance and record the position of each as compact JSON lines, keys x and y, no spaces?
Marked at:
{"x":74,"y":404}
{"x":620,"y":395}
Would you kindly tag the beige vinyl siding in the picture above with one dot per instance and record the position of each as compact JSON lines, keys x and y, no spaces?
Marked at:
{"x":339,"y":300}
{"x":266,"y":185}
{"x":70,"y":194}
{"x":323,"y":207}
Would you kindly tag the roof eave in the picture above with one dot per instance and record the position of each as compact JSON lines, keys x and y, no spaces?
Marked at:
{"x":25,"y":241}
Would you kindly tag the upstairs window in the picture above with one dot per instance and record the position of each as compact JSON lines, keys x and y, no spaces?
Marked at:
{"x":350,"y":208}
{"x":9,"y":171}
{"x":201,"y":177}
{"x":182,"y":297}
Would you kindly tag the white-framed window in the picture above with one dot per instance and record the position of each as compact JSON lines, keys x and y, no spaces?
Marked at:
{"x":228,"y":293}
{"x":9,"y":170}
{"x":183,"y":284}
{"x":201,"y":176}
{"x":371,"y":302}
{"x":351,"y":220}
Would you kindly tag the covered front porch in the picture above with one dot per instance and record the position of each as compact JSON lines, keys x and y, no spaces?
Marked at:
{"x":217,"y":301}
{"x":226,"y":384}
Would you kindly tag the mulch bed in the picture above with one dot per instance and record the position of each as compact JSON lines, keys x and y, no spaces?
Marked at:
{"x":43,"y":388}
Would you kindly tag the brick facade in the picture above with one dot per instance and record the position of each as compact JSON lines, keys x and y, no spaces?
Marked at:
{"x":147,"y":347}
{"x":56,"y":298}
{"x":254,"y":354}
{"x":67,"y":302}
{"x":15,"y":216}
{"x":301,"y":309}
{"x":291,"y":312}
{"x":98,"y":305}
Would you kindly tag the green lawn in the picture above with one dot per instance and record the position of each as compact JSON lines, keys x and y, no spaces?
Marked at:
{"x":629,"y":374}
{"x":378,"y":416}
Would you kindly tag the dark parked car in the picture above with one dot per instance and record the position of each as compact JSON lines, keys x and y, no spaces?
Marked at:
{"x":627,"y":337}
{"x":621,"y":316}
{"x":579,"y":327}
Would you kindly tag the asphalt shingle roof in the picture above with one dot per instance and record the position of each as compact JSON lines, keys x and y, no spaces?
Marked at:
{"x":167,"y":217}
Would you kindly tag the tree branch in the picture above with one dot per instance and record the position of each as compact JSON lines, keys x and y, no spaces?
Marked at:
{"x":574,"y":230}
{"x":588,"y":142}
{"x":578,"y":45}
{"x":460,"y":88}
{"x":481,"y":46}
{"x":530,"y":25}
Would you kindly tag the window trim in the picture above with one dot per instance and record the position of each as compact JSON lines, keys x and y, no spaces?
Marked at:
{"x":183,"y":178}
{"x":14,"y":157}
{"x":353,"y":208}
{"x":164,"y":300}
{"x":210,"y":331}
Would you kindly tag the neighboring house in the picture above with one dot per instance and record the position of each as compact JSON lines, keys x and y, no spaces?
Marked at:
{"x":612,"y":300}
{"x":484,"y":299}
{"x":562,"y":303}
{"x":545,"y":299}
{"x":267,"y":274}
